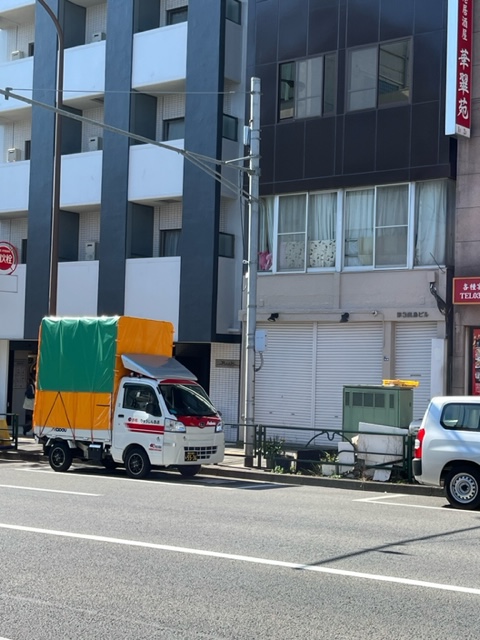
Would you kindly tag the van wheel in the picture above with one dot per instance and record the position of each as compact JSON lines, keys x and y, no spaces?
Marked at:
{"x":60,"y":456}
{"x":188,"y":471}
{"x":137,"y":463}
{"x":462,"y":487}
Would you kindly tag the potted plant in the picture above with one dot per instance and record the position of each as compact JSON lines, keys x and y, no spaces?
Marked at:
{"x":271,"y":449}
{"x":329,"y":463}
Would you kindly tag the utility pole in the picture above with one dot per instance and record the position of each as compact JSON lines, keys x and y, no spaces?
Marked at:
{"x":251,"y":294}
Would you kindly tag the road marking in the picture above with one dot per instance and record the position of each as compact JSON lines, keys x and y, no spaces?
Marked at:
{"x":198,"y":483}
{"x":75,"y":493}
{"x":412,"y":506}
{"x":249,"y":559}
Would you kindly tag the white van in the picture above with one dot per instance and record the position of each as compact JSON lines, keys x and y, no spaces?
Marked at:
{"x":447,"y":449}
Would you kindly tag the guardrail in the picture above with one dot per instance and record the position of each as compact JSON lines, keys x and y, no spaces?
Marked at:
{"x":8,"y":431}
{"x":308,"y":449}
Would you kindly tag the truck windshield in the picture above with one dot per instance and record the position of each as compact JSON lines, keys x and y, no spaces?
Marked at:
{"x":187,"y":400}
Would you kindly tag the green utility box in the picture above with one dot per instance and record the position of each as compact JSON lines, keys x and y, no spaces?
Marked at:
{"x":379,"y":404}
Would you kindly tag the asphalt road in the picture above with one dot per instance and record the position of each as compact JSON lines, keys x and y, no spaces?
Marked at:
{"x":91,"y":554}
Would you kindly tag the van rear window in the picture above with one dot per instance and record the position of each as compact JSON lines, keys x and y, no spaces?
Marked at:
{"x":461,"y":417}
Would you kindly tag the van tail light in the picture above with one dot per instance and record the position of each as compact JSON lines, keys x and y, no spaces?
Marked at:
{"x":417,"y":451}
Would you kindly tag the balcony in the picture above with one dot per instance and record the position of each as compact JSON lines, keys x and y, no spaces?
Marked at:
{"x":81,"y":184}
{"x":18,"y":12}
{"x":160,"y":58}
{"x":18,"y":73}
{"x":155,"y":173}
{"x":82,"y":88}
{"x":14,"y":184}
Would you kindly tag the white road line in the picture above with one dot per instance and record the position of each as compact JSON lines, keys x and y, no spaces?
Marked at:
{"x":411,"y":506}
{"x":74,"y":493}
{"x":250,"y":559}
{"x":197,"y":483}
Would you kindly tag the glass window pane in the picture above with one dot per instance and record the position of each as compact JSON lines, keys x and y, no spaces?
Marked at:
{"x":329,"y":83}
{"x":430,"y":222}
{"x":230,"y":127}
{"x":286,"y":99}
{"x":308,"y":87}
{"x":322,"y":220}
{"x":359,"y":227}
{"x":392,"y":206}
{"x":265,"y":234}
{"x":169,"y":241}
{"x":174,"y":129}
{"x":362,"y":78}
{"x":391,"y":234}
{"x":394,"y":72}
{"x":226,"y":245}
{"x":175,"y":16}
{"x":291,"y":233}
{"x":233,"y":11}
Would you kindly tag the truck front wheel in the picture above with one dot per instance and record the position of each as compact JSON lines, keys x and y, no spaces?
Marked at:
{"x":188,"y":471}
{"x":462,"y":486}
{"x":60,"y":456}
{"x":137,"y":463}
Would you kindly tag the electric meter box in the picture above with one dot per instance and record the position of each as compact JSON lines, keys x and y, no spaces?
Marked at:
{"x":378,"y":404}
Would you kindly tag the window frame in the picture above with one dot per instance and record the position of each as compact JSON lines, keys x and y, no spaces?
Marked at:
{"x":233,"y":14}
{"x":167,"y":122}
{"x":163,"y":239}
{"x":377,"y":47}
{"x":323,"y":113}
{"x":176,"y":11}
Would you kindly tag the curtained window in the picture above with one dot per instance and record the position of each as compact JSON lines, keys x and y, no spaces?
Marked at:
{"x":430,"y":222}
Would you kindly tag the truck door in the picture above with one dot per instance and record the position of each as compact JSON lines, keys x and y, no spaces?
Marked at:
{"x":138,"y":419}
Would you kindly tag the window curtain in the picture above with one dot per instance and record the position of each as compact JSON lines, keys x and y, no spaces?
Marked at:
{"x":391,"y":234}
{"x":430,"y":222}
{"x":291,"y":232}
{"x":265,"y":234}
{"x":359,"y":227}
{"x":322,"y":215}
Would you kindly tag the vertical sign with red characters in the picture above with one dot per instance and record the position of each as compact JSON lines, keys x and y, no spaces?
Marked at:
{"x":8,"y":258}
{"x":458,"y":112}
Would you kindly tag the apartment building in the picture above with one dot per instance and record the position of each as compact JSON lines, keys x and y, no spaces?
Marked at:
{"x":142,"y":230}
{"x":356,"y":244}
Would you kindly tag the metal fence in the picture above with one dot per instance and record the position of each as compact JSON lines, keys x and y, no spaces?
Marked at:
{"x":8,"y":431}
{"x":279,"y":446}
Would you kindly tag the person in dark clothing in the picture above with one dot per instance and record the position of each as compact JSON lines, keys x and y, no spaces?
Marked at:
{"x":28,"y":404}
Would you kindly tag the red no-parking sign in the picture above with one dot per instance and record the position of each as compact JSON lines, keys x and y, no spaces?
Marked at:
{"x":8,"y":258}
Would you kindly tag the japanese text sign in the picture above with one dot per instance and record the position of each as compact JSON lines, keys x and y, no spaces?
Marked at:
{"x":459,"y":68}
{"x":466,"y":290}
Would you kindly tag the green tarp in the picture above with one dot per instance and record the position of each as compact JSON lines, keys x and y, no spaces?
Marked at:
{"x":77,"y":354}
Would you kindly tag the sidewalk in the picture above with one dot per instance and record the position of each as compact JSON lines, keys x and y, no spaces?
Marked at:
{"x":233,"y":467}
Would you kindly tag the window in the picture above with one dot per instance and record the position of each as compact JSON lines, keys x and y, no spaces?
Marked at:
{"x":226,"y":245}
{"x":28,"y":149}
{"x":169,"y":241}
{"x":376,"y":226}
{"x":233,"y":11}
{"x":31,"y":49}
{"x":230,"y":127}
{"x":307,"y":87}
{"x":175,"y":16}
{"x":141,"y":398}
{"x":461,"y":417}
{"x":174,"y":129}
{"x":378,"y":75}
{"x":400,"y":226}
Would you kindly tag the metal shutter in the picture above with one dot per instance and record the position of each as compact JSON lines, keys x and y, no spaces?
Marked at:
{"x":413,"y":359}
{"x":346,"y":354}
{"x":283,"y":385}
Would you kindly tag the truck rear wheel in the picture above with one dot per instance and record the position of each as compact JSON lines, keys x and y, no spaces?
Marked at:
{"x":60,"y":456}
{"x":188,"y":471}
{"x":462,"y":486}
{"x":137,"y":463}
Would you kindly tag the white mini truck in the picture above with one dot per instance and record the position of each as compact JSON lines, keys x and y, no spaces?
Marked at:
{"x":109,"y":391}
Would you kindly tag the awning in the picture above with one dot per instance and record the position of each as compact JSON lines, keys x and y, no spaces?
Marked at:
{"x":156,"y":366}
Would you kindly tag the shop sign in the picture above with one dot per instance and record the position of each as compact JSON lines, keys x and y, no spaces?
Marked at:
{"x":476,"y":363}
{"x":459,"y":68}
{"x":8,"y":258}
{"x":466,"y":290}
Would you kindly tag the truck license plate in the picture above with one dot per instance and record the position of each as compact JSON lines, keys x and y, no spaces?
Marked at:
{"x":190,"y":456}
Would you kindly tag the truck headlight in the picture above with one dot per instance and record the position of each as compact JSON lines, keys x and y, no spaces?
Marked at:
{"x":174,"y":425}
{"x":219,"y":427}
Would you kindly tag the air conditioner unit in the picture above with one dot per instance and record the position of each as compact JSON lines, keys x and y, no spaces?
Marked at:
{"x":91,"y":250}
{"x":95,"y":143}
{"x":17,"y":55}
{"x":98,"y":36}
{"x":13,"y":155}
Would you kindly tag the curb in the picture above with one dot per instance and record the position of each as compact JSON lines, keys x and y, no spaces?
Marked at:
{"x":245,"y":473}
